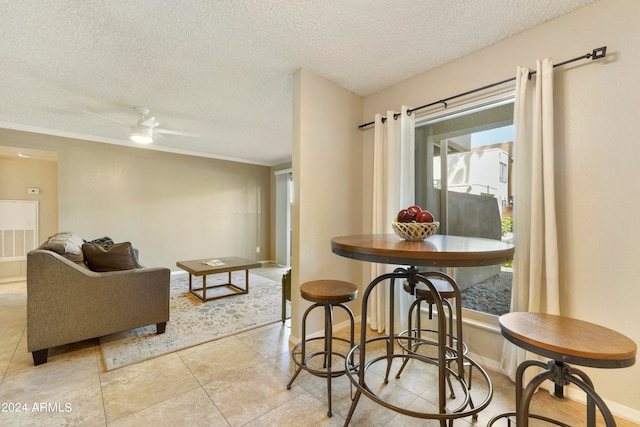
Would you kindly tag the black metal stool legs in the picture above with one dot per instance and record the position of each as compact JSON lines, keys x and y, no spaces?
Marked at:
{"x":302,"y":359}
{"x":303,"y":345}
{"x":328,"y":355}
{"x":561,"y":374}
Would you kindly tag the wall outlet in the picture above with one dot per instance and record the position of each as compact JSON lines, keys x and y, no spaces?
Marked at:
{"x":33,"y":191}
{"x":257,"y":249}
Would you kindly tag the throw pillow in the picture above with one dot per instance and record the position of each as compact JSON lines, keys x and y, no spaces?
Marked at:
{"x":66,"y":244}
{"x":119,"y":256}
{"x":105,"y":242}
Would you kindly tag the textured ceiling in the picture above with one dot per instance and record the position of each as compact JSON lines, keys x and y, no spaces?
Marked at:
{"x":222,"y":69}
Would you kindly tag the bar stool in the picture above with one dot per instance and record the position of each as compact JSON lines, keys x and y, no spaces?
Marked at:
{"x":455,"y":348}
{"x":448,"y":290}
{"x":327,"y":294}
{"x":564,"y":340}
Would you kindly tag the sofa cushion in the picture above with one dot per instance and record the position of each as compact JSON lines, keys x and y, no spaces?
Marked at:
{"x":119,"y":256}
{"x":66,"y":244}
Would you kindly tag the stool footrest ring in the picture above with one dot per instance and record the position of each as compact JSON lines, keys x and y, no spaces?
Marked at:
{"x":296,"y":355}
{"x":357,"y":376}
{"x":512,"y":416}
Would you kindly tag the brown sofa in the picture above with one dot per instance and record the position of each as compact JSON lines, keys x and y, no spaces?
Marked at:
{"x":67,"y":302}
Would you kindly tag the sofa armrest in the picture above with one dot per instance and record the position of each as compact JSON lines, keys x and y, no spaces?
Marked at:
{"x":68,"y":303}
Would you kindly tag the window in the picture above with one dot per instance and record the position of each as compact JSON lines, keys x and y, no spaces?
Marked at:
{"x":503,"y":173}
{"x":463,"y":176}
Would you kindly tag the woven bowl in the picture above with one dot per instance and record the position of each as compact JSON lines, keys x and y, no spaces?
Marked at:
{"x":414,"y":231}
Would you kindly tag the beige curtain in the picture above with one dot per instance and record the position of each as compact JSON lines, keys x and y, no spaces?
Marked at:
{"x":393,"y":189}
{"x":535,"y":278}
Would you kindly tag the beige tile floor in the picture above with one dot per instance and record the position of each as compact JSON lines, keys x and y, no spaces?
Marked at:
{"x":236,"y":381}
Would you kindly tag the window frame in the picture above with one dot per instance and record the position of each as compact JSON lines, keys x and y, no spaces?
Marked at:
{"x":480,"y":319}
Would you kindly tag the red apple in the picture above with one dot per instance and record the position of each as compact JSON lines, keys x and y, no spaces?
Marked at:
{"x":405,"y":215}
{"x":415,"y":209}
{"x":424,"y":216}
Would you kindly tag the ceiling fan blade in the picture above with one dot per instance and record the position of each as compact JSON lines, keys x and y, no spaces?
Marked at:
{"x":106,"y":117}
{"x":175,"y":132}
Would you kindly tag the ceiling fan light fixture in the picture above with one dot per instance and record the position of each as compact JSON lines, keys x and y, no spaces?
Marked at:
{"x":142,"y":134}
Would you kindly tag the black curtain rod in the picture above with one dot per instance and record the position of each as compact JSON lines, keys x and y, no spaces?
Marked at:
{"x":597,"y":53}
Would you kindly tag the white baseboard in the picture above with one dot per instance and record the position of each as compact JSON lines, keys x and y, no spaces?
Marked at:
{"x":490,"y":364}
{"x":13,"y":279}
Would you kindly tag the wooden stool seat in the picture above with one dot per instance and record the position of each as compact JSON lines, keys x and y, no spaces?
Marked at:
{"x":568,"y":340}
{"x":444,"y":288}
{"x":328,"y":291}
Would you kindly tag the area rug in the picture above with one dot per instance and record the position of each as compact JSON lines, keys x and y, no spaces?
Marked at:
{"x":193,"y":322}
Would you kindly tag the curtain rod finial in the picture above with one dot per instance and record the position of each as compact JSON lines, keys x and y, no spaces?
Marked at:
{"x":598,"y":53}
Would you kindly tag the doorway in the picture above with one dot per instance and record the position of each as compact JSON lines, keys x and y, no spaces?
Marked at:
{"x":284,"y":182}
{"x":27,"y":177}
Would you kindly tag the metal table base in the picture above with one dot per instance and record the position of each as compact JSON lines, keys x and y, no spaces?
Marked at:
{"x":447,"y":367}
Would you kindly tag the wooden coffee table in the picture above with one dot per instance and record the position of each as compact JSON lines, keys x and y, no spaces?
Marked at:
{"x":207,"y":266}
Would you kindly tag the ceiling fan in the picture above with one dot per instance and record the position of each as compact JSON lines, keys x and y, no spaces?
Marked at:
{"x":143,"y":131}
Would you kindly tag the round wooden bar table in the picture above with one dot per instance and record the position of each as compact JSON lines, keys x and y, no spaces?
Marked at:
{"x":435,"y":251}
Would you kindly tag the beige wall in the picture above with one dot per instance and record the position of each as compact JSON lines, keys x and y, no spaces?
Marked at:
{"x":171,"y":207}
{"x":597,"y":155}
{"x":327,"y":165}
{"x":16,"y":176}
